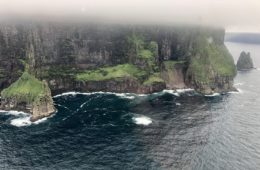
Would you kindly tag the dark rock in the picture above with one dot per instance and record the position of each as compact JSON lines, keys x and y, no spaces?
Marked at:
{"x":80,"y":47}
{"x":245,"y":62}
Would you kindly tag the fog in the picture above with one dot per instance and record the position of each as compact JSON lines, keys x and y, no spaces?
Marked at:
{"x":234,"y":15}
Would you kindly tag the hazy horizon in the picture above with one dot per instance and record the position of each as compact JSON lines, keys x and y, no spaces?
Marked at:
{"x":233,"y":15}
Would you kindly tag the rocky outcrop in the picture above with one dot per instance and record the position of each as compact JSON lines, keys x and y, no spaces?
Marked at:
{"x":245,"y":62}
{"x":30,"y":95}
{"x":61,"y":53}
{"x":174,"y":74}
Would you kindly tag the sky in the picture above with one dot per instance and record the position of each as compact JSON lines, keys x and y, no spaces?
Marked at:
{"x":234,"y":15}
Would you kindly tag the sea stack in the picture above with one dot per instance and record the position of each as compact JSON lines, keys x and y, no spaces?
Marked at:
{"x":245,"y":62}
{"x":30,"y":95}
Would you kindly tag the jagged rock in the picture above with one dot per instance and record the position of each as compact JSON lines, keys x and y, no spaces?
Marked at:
{"x":28,"y":94}
{"x":245,"y":62}
{"x":43,"y":105}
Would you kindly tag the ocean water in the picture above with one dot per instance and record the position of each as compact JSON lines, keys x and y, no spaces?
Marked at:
{"x":167,"y":130}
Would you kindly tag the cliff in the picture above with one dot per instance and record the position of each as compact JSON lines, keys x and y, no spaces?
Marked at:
{"x":118,"y":58}
{"x":244,"y":62}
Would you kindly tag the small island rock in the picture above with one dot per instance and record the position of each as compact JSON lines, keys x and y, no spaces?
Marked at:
{"x":245,"y":62}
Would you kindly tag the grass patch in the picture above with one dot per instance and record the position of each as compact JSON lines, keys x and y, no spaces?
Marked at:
{"x":27,"y":88}
{"x":146,"y":54}
{"x":109,"y":73}
{"x":153,"y":79}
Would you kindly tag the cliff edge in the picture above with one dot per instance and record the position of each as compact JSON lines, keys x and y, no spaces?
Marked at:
{"x":115,"y":58}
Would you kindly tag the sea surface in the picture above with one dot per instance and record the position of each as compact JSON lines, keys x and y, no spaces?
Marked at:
{"x":166,"y":130}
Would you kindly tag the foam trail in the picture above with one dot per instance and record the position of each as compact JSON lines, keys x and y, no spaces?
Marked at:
{"x":122,"y":95}
{"x":13,"y":112}
{"x":184,"y":90}
{"x":236,"y":92}
{"x":213,"y":95}
{"x":171,"y":92}
{"x":142,"y":120}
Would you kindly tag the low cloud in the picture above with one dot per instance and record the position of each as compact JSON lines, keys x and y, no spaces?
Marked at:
{"x":238,"y":15}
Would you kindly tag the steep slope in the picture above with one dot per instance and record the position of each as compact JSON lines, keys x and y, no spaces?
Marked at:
{"x":30,"y":95}
{"x":118,"y":58}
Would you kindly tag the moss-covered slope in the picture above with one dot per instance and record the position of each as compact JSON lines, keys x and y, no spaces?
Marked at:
{"x":211,"y":68}
{"x":28,"y":94}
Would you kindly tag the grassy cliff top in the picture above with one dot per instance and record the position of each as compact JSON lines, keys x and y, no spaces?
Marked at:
{"x":27,"y":88}
{"x":154,"y":78}
{"x":109,"y":73}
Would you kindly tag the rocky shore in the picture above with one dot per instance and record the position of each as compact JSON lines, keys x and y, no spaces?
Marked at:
{"x":94,"y":57}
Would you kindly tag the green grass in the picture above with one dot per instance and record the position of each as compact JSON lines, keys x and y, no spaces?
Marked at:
{"x":27,"y":88}
{"x":109,"y":73}
{"x":153,"y":79}
{"x":146,"y":54}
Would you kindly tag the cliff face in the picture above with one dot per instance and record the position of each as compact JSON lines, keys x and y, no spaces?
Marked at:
{"x":140,"y":59}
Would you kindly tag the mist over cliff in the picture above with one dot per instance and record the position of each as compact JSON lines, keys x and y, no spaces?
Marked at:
{"x":229,"y":14}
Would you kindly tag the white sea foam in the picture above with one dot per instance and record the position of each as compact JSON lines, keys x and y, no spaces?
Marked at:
{"x":13,"y":112}
{"x":184,"y":90}
{"x":25,"y":121}
{"x":142,"y":120}
{"x":21,"y":121}
{"x":172,"y":92}
{"x":236,"y":92}
{"x":177,"y":104}
{"x":213,"y":95}
{"x":128,"y":95}
{"x":122,"y":95}
{"x":22,"y":118}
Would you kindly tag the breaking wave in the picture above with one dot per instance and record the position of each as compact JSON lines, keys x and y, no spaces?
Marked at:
{"x":142,"y":120}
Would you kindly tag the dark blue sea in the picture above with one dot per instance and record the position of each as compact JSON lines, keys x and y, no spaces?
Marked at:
{"x":161,"y":131}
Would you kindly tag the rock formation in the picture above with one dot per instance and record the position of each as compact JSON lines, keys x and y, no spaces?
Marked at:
{"x":116,"y":58}
{"x":245,"y":62}
{"x":28,"y":94}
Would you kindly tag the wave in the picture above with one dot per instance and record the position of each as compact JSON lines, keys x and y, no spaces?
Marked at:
{"x":173,"y":92}
{"x":142,"y":120}
{"x":122,"y":95}
{"x":21,"y":121}
{"x":13,"y":112}
{"x":236,"y":92}
{"x":213,"y":95}
{"x":26,"y":121}
{"x":22,"y":118}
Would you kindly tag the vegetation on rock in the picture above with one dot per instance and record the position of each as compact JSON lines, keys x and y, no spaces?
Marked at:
{"x":154,"y":78}
{"x":27,"y":88}
{"x":211,"y":60}
{"x":109,"y":73}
